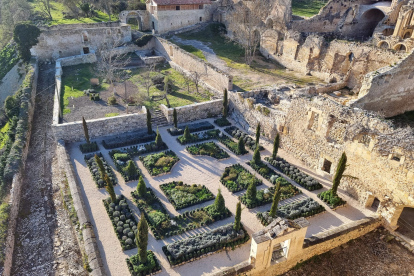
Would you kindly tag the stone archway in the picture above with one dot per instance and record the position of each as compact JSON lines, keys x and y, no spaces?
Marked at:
{"x":269,"y":23}
{"x":383,"y":45}
{"x":407,"y":34}
{"x":369,"y":21}
{"x":400,"y":47}
{"x":406,"y":222}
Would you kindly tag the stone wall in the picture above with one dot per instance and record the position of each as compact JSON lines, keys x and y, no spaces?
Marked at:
{"x":166,"y":21}
{"x":194,"y":112}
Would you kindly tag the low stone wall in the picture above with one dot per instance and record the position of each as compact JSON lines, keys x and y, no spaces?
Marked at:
{"x":75,"y":60}
{"x":88,"y":233}
{"x":73,"y":132}
{"x":194,"y":112}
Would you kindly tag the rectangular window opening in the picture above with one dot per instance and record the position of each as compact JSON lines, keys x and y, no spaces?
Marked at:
{"x":326,"y":166}
{"x":177,"y":8}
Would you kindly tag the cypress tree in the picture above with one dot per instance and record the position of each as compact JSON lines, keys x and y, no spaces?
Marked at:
{"x":110,"y":188}
{"x":158,"y":139}
{"x":251,"y":191}
{"x":238,"y":217}
{"x":240,"y":146}
{"x":275,"y":147}
{"x":276,"y":198}
{"x":257,"y":134}
{"x":141,"y":188}
{"x":100,"y":164}
{"x":219,"y":203}
{"x":339,"y":172}
{"x":142,"y":240}
{"x":85,"y":130}
{"x":149,"y":124}
{"x":225,"y":104}
{"x":175,"y":118}
{"x":131,"y":169}
{"x":256,"y":156}
{"x":187,"y":135}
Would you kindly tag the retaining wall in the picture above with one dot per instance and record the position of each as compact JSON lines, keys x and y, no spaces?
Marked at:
{"x":194,"y":112}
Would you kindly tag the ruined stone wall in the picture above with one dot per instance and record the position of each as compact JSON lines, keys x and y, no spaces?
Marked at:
{"x":194,"y":112}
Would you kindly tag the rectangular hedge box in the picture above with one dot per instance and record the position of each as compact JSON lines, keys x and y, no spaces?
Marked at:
{"x":196,"y":127}
{"x":236,"y":178}
{"x":198,"y":137}
{"x":129,"y":139}
{"x":163,"y":226}
{"x":144,"y":149}
{"x":305,"y":208}
{"x":93,"y":168}
{"x":88,"y":148}
{"x":231,"y":145}
{"x":208,"y":149}
{"x":222,"y":122}
{"x":264,"y":171}
{"x":121,"y":161}
{"x":182,"y":195}
{"x":202,"y":244}
{"x":159,"y":163}
{"x":304,"y":180}
{"x":248,"y":141}
{"x":150,"y":268}
{"x":123,"y":221}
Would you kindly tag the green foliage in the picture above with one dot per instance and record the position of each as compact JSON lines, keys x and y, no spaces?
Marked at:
{"x":113,"y":114}
{"x":257,"y":134}
{"x":193,"y":50}
{"x":143,"y":40}
{"x":275,"y":147}
{"x":4,"y":222}
{"x":101,"y":167}
{"x":85,"y":130}
{"x":158,"y":139}
{"x":236,"y":178}
{"x":25,"y":35}
{"x":182,"y":195}
{"x":256,"y":157}
{"x":112,"y":100}
{"x":131,"y":169}
{"x":339,"y":172}
{"x":149,"y":124}
{"x":8,"y":59}
{"x":251,"y":191}
{"x":240,"y":145}
{"x":219,"y":204}
{"x":237,"y":219}
{"x":175,"y":118}
{"x":186,"y":135}
{"x":307,"y":8}
{"x":225,"y":103}
{"x":11,"y":106}
{"x":141,"y":188}
{"x":276,"y":198}
{"x":210,"y":149}
{"x":142,"y":239}
{"x":159,"y":163}
{"x":331,"y":198}
{"x":110,"y":188}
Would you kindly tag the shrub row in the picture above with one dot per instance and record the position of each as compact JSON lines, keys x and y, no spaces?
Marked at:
{"x":196,"y":127}
{"x":331,"y":199}
{"x":264,"y":171}
{"x":236,"y":178}
{"x":304,"y":180}
{"x":138,"y":269}
{"x":144,"y":149}
{"x":231,"y":145}
{"x":198,"y":137}
{"x":89,"y":147}
{"x":222,"y":122}
{"x":93,"y":168}
{"x":237,"y":133}
{"x":121,"y":161}
{"x":159,"y":163}
{"x":129,"y":139}
{"x":209,"y":149}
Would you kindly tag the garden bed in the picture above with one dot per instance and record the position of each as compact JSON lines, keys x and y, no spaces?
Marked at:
{"x":202,"y":244}
{"x":121,"y":161}
{"x":248,"y":141}
{"x":129,"y":139}
{"x":231,"y":145}
{"x":89,"y":147}
{"x":163,"y":226}
{"x":159,"y":163}
{"x":198,"y":137}
{"x":182,"y":195}
{"x":222,"y":122}
{"x":304,"y":180}
{"x":236,"y":178}
{"x":123,"y":221}
{"x":209,"y":149}
{"x":150,"y":268}
{"x":143,"y":149}
{"x":305,"y":208}
{"x":93,"y":168}
{"x":264,"y":171}
{"x":265,"y":196}
{"x":332,"y":200}
{"x":196,"y":127}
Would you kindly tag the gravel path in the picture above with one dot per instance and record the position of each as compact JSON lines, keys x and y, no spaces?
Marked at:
{"x":190,"y":169}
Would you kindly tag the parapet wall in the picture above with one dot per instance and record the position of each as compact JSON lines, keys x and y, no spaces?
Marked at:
{"x":194,"y":112}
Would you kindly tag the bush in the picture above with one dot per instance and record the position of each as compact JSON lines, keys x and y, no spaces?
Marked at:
{"x":93,"y":168}
{"x":159,"y":163}
{"x":125,"y":165}
{"x":136,"y":268}
{"x":112,"y":100}
{"x":196,"y":127}
{"x":236,"y":178}
{"x":222,"y":122}
{"x":237,"y":133}
{"x":332,"y":199}
{"x":143,"y":40}
{"x":209,"y":149}
{"x":89,"y":147}
{"x":182,"y":195}
{"x":130,"y":139}
{"x":231,"y":145}
{"x":8,"y":59}
{"x":198,"y":137}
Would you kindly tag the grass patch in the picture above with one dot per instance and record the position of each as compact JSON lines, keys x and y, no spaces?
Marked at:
{"x":111,"y":114}
{"x":193,"y":50}
{"x":209,"y":149}
{"x":4,"y":137}
{"x":307,"y":8}
{"x":4,"y":223}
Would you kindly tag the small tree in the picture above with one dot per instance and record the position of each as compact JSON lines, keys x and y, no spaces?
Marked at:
{"x":219,"y":203}
{"x":238,"y":217}
{"x":146,"y":78}
{"x":257,"y":134}
{"x":187,"y":135}
{"x":131,"y":169}
{"x":142,"y":240}
{"x":275,"y":147}
{"x":25,"y":35}
{"x":187,"y":81}
{"x":175,"y":118}
{"x":45,"y":8}
{"x":158,"y":139}
{"x":251,"y":191}
{"x":141,"y":188}
{"x":100,"y":164}
{"x":196,"y":76}
{"x":338,"y":174}
{"x":225,"y":103}
{"x":85,"y":130}
{"x":149,"y":124}
{"x":240,"y":146}
{"x":167,"y":85}
{"x":256,"y":156}
{"x":110,"y":188}
{"x":276,"y":198}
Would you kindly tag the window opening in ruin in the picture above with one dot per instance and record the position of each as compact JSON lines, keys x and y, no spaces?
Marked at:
{"x":400,"y":47}
{"x":86,"y":50}
{"x":407,"y":35}
{"x":177,"y":8}
{"x":201,"y":19}
{"x":406,"y":222}
{"x":153,"y":25}
{"x":326,"y":166}
{"x":350,"y":57}
{"x":200,"y":7}
{"x":396,"y":157}
{"x":384,"y":45}
{"x":375,"y":204}
{"x":85,"y":38}
{"x":280,"y":251}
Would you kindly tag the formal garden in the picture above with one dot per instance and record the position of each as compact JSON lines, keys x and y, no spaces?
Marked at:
{"x":183,"y":195}
{"x":159,"y":163}
{"x":208,"y":149}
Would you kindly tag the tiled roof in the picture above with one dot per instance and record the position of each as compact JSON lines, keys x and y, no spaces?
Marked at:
{"x":181,"y":2}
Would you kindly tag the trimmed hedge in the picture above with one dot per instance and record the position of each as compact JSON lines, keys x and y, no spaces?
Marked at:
{"x":87,"y":148}
{"x":173,"y":189}
{"x":198,"y":137}
{"x":128,"y":140}
{"x":123,"y":221}
{"x":93,"y":168}
{"x":121,"y":161}
{"x":196,"y":127}
{"x":248,"y":141}
{"x":264,"y":171}
{"x":231,"y":145}
{"x":222,"y":122}
{"x":144,"y":149}
{"x":136,"y":269}
{"x":236,"y":178}
{"x":159,"y":163}
{"x":332,"y":200}
{"x":208,"y":149}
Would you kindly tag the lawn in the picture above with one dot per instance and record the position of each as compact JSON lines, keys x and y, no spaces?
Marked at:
{"x":193,"y":50}
{"x":307,"y":8}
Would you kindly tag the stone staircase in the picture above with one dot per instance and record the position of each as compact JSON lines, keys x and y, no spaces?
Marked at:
{"x":158,"y":119}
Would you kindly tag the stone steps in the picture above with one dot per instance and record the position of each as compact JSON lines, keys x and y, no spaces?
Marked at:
{"x":158,"y":119}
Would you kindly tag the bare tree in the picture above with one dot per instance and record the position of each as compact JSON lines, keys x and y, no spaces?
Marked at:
{"x":106,"y":6}
{"x":196,"y":77}
{"x":187,"y":81}
{"x":45,"y":8}
{"x":146,"y":78}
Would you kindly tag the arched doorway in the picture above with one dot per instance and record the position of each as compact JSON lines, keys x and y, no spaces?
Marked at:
{"x":406,"y":222}
{"x":134,"y":21}
{"x":269,"y":23}
{"x":388,"y":32}
{"x":400,"y":47}
{"x":407,"y":35}
{"x":369,"y":21}
{"x":383,"y":45}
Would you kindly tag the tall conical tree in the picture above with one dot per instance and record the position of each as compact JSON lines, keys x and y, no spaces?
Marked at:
{"x":142,"y":240}
{"x":275,"y":147}
{"x":85,"y":130}
{"x":187,"y":135}
{"x":149,"y":124}
{"x":251,"y":191}
{"x":141,"y":188}
{"x":225,"y":103}
{"x":338,"y":174}
{"x":256,"y":156}
{"x":219,"y":203}
{"x":131,"y":169}
{"x":110,"y":188}
{"x":158,"y":139}
{"x":257,"y":134}
{"x":101,"y":167}
{"x":175,"y":118}
{"x":238,"y":217}
{"x":276,"y":198}
{"x":240,"y":146}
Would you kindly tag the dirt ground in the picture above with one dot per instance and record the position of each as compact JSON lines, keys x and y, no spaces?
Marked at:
{"x":369,"y":255}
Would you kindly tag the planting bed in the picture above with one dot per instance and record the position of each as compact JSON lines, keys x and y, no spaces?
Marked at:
{"x":129,"y":139}
{"x":123,"y":221}
{"x":143,"y":149}
{"x":137,"y":269}
{"x":222,"y":122}
{"x":222,"y":237}
{"x":332,"y":200}
{"x":264,"y":171}
{"x":196,"y":127}
{"x":87,"y":148}
{"x":236,"y":178}
{"x":210,"y":149}
{"x":162,"y":225}
{"x":304,"y":180}
{"x":122,"y":163}
{"x":182,"y":195}
{"x":248,"y":141}
{"x":231,"y":145}
{"x":305,"y":208}
{"x":93,"y":168}
{"x":159,"y":163}
{"x":198,"y":137}
{"x":265,"y":196}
